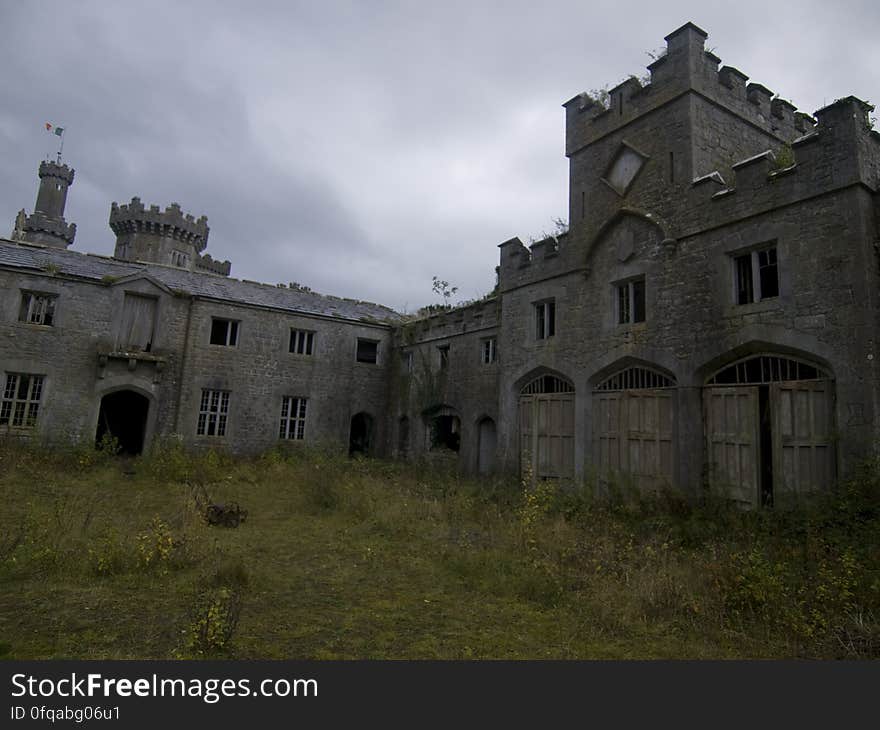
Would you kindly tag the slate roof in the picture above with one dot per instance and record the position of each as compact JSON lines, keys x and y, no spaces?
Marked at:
{"x":91,"y":266}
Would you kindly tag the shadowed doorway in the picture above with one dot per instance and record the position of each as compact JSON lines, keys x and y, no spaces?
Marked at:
{"x":123,"y":416}
{"x":360,"y":438}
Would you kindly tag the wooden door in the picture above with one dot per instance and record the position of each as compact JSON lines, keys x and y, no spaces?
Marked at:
{"x":732,"y":442}
{"x":803,"y":449}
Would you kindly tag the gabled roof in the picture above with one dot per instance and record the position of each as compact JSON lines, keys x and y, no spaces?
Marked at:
{"x":40,"y":259}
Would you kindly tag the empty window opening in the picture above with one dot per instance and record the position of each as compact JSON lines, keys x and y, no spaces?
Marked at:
{"x":293,"y":418}
{"x":443,"y":351}
{"x":583,"y":204}
{"x":636,"y":378}
{"x":213,"y":413}
{"x":224,"y":332}
{"x":138,"y":323}
{"x":545,"y":319}
{"x":21,"y":400}
{"x":301,"y":342}
{"x":489,"y":350}
{"x":367,"y":351}
{"x":446,"y":433}
{"x":407,"y":362}
{"x":756,"y":276}
{"x":37,"y":308}
{"x":360,"y":436}
{"x":631,"y":301}
{"x":123,"y":417}
{"x":672,"y":167}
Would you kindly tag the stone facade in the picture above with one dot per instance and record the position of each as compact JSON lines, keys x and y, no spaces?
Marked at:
{"x":709,"y":318}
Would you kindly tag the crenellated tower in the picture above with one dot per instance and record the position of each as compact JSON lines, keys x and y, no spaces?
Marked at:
{"x":167,"y":237}
{"x":46,"y":225}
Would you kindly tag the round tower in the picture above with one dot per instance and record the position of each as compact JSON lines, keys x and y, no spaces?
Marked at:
{"x":46,"y":224}
{"x":158,"y":236}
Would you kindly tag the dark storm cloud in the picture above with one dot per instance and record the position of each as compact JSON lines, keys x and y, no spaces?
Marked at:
{"x":361,"y":147}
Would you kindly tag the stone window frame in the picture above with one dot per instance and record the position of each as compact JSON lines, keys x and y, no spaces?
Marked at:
{"x":625,"y":299}
{"x":294,"y":409}
{"x":443,"y":354}
{"x":545,"y":319}
{"x":20,"y":410}
{"x":489,"y":350}
{"x":747,"y":280}
{"x":179,"y":259}
{"x":407,"y":362}
{"x":233,"y":329}
{"x":363,"y":353}
{"x":302,"y":342}
{"x":213,"y":413}
{"x":36,"y":307}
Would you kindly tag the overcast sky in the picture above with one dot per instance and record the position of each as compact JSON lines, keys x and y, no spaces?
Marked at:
{"x":361,"y":148}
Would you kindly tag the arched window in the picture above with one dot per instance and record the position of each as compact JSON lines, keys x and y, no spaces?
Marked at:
{"x":547,"y":384}
{"x":765,"y":369}
{"x":636,"y":378}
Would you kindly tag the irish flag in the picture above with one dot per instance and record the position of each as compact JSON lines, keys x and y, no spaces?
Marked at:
{"x":57,"y":130}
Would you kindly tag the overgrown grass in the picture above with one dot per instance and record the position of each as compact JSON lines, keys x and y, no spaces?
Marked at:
{"x":109,"y":558}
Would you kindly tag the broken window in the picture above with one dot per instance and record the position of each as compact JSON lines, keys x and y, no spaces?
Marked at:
{"x":545,"y":319}
{"x":301,"y":342}
{"x":293,"y":418}
{"x":407,"y":362}
{"x":37,"y":308}
{"x":444,"y":356}
{"x":757,"y":276}
{"x":367,"y":351}
{"x":631,"y":301}
{"x":138,"y":323}
{"x":224,"y":332}
{"x":213,"y":413}
{"x":488,"y":350}
{"x":21,"y":400}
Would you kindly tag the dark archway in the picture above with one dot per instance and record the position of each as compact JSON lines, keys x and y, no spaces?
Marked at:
{"x":123,"y":416}
{"x":360,"y":437}
{"x":446,"y":432}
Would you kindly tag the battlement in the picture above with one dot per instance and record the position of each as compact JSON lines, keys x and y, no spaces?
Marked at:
{"x":208,"y":264}
{"x":40,"y":228}
{"x":170,"y":223}
{"x":841,"y":150}
{"x":686,"y":66}
{"x":54,"y":169}
{"x":520,"y":263}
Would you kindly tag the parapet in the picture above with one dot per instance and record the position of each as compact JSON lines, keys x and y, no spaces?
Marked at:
{"x":684,"y":66}
{"x":840,"y":150}
{"x":170,"y":223}
{"x":208,"y":264}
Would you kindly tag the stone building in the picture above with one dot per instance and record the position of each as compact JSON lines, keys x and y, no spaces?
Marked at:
{"x":709,"y":318}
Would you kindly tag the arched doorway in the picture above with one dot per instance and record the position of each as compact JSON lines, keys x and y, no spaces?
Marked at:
{"x":633,"y":428}
{"x":487,"y":440}
{"x":768,"y":423}
{"x":123,"y":416}
{"x":360,"y":436}
{"x":546,"y":428}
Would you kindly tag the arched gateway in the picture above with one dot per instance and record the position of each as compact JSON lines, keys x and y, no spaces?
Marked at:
{"x":546,"y":422}
{"x":768,"y":425}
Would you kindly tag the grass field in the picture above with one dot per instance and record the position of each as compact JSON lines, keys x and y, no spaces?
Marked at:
{"x":339,"y":558}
